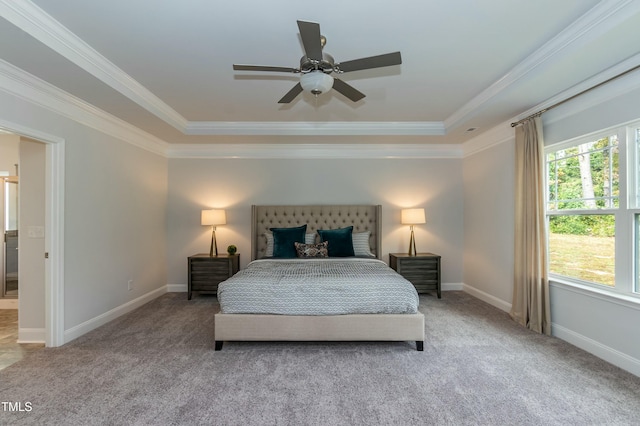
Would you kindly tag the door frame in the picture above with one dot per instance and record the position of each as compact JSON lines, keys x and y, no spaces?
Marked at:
{"x":54,"y":229}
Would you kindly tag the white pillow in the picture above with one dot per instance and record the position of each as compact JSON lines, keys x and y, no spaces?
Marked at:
{"x":361,"y":244}
{"x":308,"y":239}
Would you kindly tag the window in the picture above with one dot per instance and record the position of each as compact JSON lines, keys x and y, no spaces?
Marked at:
{"x":635,"y":190}
{"x":593,"y":214}
{"x":637,"y":251}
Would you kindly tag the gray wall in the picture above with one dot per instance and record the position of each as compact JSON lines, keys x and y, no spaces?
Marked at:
{"x":133,"y":214}
{"x":598,"y":323}
{"x":115,"y":216}
{"x":236,"y":184}
{"x":489,"y":223}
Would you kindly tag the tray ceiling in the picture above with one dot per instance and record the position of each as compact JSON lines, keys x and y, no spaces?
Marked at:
{"x":166,"y":67}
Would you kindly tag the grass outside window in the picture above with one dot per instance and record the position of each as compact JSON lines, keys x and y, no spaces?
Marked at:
{"x":584,"y":257}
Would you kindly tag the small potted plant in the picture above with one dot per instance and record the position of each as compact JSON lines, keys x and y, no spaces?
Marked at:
{"x":232,"y":250}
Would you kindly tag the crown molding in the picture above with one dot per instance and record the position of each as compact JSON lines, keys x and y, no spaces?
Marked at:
{"x":495,"y":136}
{"x":41,"y":26}
{"x":313,"y":151}
{"x":597,"y":21}
{"x":625,"y":84}
{"x":33,"y":20}
{"x":615,"y":88}
{"x":23,"y":85}
{"x":401,"y":128}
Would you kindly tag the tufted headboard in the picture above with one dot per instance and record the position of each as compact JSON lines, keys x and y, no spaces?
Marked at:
{"x":362,"y":217}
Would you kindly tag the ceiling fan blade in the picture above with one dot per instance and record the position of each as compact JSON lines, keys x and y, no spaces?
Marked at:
{"x":347,"y":90}
{"x":264,"y":68}
{"x":291,"y":94}
{"x":310,"y":34}
{"x":379,"y":61}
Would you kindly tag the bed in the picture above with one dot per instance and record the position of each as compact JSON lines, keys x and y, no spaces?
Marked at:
{"x":247,"y":324}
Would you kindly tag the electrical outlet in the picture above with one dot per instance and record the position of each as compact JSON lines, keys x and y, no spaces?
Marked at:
{"x":130,"y":285}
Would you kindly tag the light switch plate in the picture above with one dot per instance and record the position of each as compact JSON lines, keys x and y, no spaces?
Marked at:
{"x":35,"y":231}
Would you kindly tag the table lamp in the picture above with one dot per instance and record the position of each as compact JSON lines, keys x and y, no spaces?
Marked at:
{"x":213,"y":217}
{"x":412,"y":217}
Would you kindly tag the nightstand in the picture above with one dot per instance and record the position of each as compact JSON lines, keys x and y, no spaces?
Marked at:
{"x":423,"y":270}
{"x":206,"y":272}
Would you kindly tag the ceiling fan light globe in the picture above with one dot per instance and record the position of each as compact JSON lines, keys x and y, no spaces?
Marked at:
{"x":316,"y":82}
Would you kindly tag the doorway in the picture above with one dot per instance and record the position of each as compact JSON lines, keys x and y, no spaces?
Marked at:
{"x":51,"y":332}
{"x":9,"y":227}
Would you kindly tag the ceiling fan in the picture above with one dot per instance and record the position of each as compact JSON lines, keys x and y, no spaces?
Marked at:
{"x":316,"y":67}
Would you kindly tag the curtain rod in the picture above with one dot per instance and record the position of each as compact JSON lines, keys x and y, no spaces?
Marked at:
{"x":542,"y":111}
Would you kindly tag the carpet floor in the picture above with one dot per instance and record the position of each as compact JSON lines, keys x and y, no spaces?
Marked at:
{"x":156,"y":366}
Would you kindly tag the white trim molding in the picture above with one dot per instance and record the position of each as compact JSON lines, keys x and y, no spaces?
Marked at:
{"x":41,"y":26}
{"x":23,"y":85}
{"x":93,"y":323}
{"x":486,"y":297}
{"x":177,"y":288}
{"x":31,"y":335}
{"x":597,"y":21}
{"x":614,"y":88}
{"x":452,"y":286}
{"x":495,"y":136}
{"x":54,"y":224}
{"x":298,"y":151}
{"x":596,"y":348}
{"x":331,"y":128}
{"x":36,"y":22}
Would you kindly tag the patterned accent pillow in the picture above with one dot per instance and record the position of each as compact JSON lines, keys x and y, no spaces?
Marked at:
{"x":312,"y":250}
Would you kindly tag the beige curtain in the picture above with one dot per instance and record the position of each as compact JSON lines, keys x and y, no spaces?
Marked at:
{"x":530,"y":305}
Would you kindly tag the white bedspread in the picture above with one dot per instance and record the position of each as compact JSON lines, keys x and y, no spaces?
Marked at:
{"x":333,"y":286}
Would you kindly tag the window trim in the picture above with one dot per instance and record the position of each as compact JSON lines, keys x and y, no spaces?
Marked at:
{"x":625,"y":287}
{"x":629,"y":301}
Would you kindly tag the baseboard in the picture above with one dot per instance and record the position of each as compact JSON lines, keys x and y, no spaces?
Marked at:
{"x":93,"y":323}
{"x":452,"y":286}
{"x":31,"y":335}
{"x":617,"y":358}
{"x":604,"y":352}
{"x":486,"y":297}
{"x":177,"y":288}
{"x":8,"y":303}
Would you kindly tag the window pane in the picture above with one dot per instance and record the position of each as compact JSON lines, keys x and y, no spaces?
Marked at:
{"x":583,"y":247}
{"x":637,"y":261}
{"x":585,"y":176}
{"x":637,"y":170}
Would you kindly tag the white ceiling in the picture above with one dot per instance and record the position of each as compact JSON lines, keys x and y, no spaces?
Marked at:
{"x":165,"y":66}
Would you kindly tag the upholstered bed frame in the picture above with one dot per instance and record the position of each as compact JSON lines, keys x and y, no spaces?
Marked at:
{"x":361,"y":327}
{"x":363,"y":218}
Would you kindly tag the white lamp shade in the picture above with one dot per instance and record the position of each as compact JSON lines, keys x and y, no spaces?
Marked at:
{"x":316,"y":82}
{"x":213,"y":217}
{"x":412,"y":216}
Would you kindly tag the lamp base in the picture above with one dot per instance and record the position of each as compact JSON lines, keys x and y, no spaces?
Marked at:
{"x":412,"y":244}
{"x":214,"y":245}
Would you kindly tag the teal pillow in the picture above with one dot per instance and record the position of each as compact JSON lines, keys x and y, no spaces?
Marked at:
{"x":284,"y":239}
{"x":340,"y":241}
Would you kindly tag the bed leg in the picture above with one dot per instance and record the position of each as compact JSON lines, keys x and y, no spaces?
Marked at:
{"x":218,"y":344}
{"x":420,"y":345}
